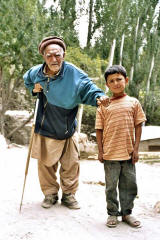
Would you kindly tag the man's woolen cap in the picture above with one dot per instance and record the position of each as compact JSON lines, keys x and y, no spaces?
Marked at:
{"x":51,"y":40}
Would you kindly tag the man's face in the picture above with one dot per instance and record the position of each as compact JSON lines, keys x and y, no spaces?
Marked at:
{"x":116,"y":83}
{"x":54,"y":57}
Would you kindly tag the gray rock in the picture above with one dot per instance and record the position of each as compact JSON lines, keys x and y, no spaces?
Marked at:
{"x":13,"y":119}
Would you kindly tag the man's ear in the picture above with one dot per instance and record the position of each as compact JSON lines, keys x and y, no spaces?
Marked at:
{"x":64,"y":54}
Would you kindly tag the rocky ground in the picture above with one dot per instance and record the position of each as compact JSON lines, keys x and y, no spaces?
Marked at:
{"x":59,"y":222}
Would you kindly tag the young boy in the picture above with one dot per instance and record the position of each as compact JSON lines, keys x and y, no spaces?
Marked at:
{"x":118,"y":132}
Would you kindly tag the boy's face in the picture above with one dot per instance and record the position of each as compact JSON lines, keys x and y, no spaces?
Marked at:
{"x":116,"y":83}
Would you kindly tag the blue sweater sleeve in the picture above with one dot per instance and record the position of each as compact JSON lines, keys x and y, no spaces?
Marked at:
{"x":27,"y":80}
{"x":89,"y":92}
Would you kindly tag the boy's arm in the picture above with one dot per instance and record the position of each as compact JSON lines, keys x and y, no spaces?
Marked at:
{"x":138,"y":131}
{"x":99,"y":135}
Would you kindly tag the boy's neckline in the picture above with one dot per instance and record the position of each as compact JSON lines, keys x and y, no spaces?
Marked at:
{"x":115,"y":98}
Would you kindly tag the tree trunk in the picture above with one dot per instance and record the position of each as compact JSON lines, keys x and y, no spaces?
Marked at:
{"x":134,"y":51}
{"x":89,"y":36}
{"x":121,"y":49}
{"x":149,"y":76}
{"x":111,"y":57}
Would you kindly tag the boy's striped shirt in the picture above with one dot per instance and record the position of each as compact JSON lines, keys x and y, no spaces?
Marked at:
{"x":118,"y":121}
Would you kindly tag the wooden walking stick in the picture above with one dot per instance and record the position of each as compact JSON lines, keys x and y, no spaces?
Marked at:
{"x":29,"y":150}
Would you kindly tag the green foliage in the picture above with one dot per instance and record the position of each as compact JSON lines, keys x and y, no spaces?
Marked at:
{"x":61,"y":19}
{"x":94,"y":67}
{"x":78,"y":57}
{"x":17,"y":44}
{"x":23,"y":25}
{"x":153,"y":108}
{"x":88,"y":119}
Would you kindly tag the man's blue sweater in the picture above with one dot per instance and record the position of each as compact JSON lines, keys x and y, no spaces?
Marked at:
{"x":61,"y":96}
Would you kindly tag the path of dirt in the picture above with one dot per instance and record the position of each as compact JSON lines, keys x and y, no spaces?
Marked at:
{"x":59,"y":222}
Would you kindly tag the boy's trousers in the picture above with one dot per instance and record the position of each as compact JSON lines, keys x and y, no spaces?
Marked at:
{"x":121,"y":175}
{"x":63,"y":151}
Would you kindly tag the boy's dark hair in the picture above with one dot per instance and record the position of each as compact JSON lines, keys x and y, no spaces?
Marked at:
{"x":115,"y":69}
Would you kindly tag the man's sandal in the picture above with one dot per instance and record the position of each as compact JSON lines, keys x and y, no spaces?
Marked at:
{"x":112,"y":221}
{"x":131,"y":221}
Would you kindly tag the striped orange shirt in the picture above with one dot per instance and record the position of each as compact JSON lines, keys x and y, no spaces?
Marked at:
{"x":118,"y":121}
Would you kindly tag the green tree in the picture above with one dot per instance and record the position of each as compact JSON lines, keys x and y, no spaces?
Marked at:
{"x":61,"y":21}
{"x":18,"y":44}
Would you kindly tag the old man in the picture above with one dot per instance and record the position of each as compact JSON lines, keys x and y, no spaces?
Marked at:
{"x":62,"y":88}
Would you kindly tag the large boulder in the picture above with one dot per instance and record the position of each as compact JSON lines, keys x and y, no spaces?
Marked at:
{"x":14,"y":119}
{"x":87,"y":148}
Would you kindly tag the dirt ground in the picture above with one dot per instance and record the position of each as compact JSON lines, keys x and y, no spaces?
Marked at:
{"x":59,"y":223}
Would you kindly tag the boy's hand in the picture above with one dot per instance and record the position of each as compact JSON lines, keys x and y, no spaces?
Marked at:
{"x":100,"y":157}
{"x":104,"y":100}
{"x":135,"y":156}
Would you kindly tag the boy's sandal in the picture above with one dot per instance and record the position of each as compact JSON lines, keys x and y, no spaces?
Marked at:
{"x":132,"y":221}
{"x":112,"y":221}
